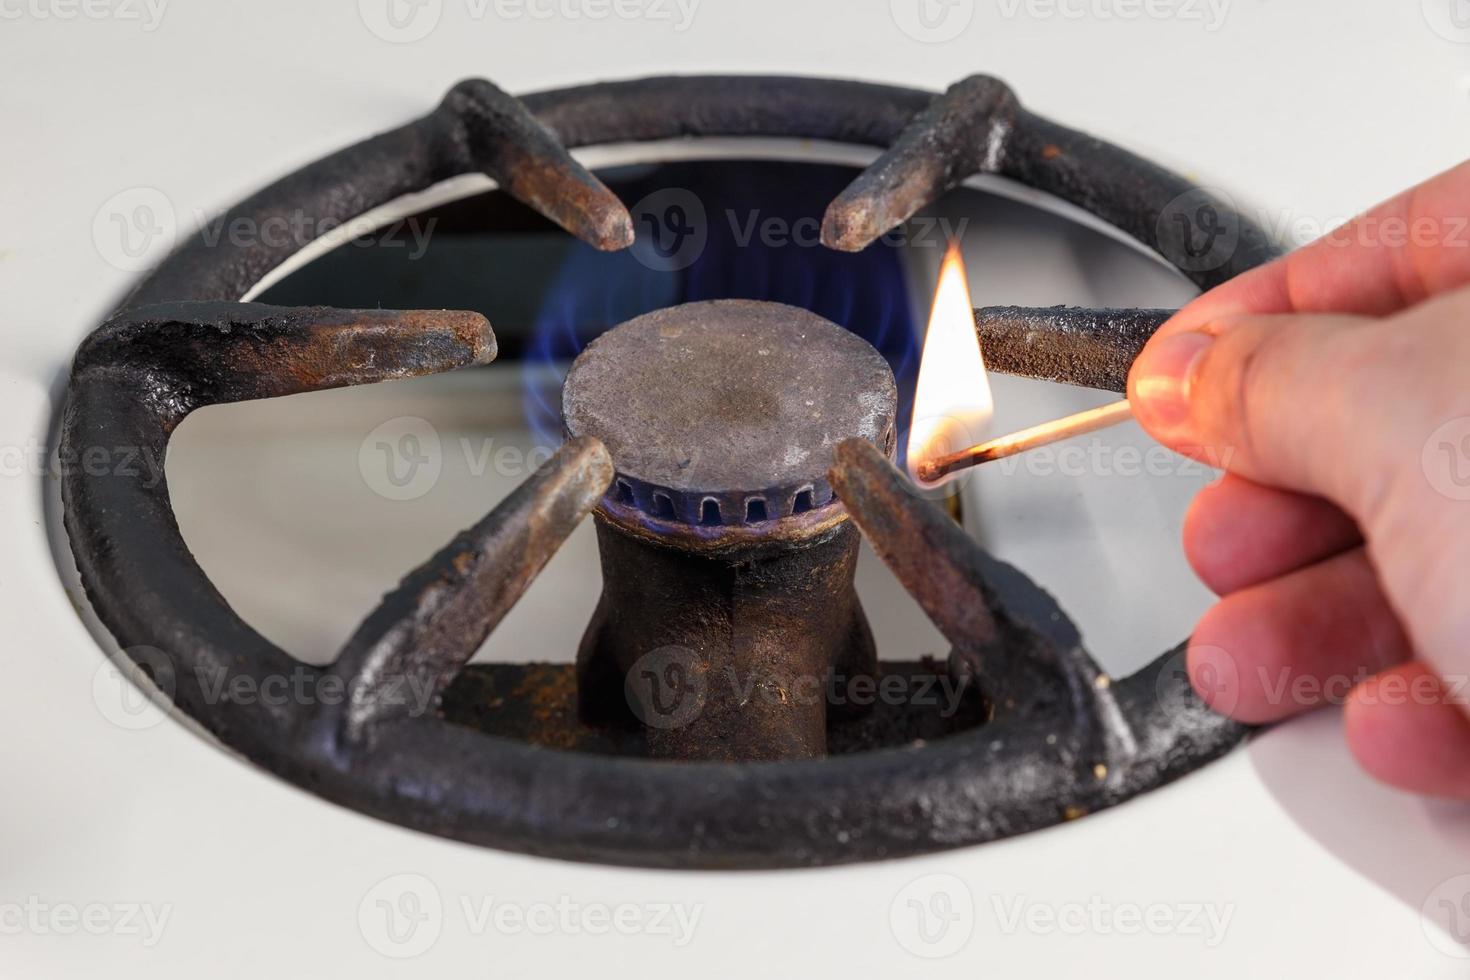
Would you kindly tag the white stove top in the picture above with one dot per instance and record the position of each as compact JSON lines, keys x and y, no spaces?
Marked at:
{"x":134,"y":847}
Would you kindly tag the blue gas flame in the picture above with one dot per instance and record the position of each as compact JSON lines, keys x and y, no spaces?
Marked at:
{"x":592,"y":291}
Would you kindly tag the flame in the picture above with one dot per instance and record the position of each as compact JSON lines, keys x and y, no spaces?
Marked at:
{"x":952,"y":400}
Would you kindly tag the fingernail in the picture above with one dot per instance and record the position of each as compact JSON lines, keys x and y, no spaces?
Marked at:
{"x":1163,"y":376}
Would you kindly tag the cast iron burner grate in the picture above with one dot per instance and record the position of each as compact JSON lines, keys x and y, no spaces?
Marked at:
{"x":1060,"y":738}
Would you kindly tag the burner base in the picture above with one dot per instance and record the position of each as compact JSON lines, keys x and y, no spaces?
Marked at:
{"x":725,"y":656}
{"x":537,"y":703}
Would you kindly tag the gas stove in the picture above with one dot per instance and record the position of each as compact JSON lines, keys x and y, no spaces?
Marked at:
{"x":731,"y":450}
{"x":700,"y":620}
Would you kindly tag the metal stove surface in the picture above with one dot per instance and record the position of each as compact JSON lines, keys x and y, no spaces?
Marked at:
{"x":253,"y":876}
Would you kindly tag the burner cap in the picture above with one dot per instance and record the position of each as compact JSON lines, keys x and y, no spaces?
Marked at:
{"x":725,"y":413}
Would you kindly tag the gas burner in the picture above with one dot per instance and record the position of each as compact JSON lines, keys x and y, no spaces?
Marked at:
{"x":727,"y":564}
{"x":708,"y":440}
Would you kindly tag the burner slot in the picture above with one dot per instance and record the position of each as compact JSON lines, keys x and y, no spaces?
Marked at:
{"x":755,"y":510}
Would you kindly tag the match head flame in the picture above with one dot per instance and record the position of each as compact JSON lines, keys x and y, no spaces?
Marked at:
{"x":953,"y":404}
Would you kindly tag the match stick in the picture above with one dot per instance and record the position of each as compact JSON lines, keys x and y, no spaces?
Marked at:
{"x":933,"y":470}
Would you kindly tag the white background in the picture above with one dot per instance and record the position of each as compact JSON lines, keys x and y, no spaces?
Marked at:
{"x":1308,"y":110}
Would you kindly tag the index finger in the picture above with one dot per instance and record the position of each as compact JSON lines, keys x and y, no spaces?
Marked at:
{"x":1411,"y":247}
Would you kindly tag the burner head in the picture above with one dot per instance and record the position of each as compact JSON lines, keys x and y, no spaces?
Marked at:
{"x":723,"y":415}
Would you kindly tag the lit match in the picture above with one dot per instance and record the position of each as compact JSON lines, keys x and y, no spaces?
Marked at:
{"x":953,"y":403}
{"x":934,"y":470}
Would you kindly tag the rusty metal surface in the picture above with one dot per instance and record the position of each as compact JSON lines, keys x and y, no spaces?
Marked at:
{"x":909,"y":703}
{"x":215,"y":352}
{"x":1051,"y":703}
{"x":944,"y":570}
{"x":147,"y":368}
{"x":724,"y":413}
{"x":962,"y":133}
{"x":1117,"y":186}
{"x":133,"y":380}
{"x":722,"y":539}
{"x":1093,"y":348}
{"x":723,"y":656}
{"x":423,"y":633}
{"x":501,"y":137}
{"x":718,"y":645}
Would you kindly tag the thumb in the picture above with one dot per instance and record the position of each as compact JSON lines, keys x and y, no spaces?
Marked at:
{"x":1290,"y":401}
{"x":1373,"y":415}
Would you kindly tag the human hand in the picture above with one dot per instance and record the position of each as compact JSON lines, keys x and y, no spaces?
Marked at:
{"x":1334,"y":387}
